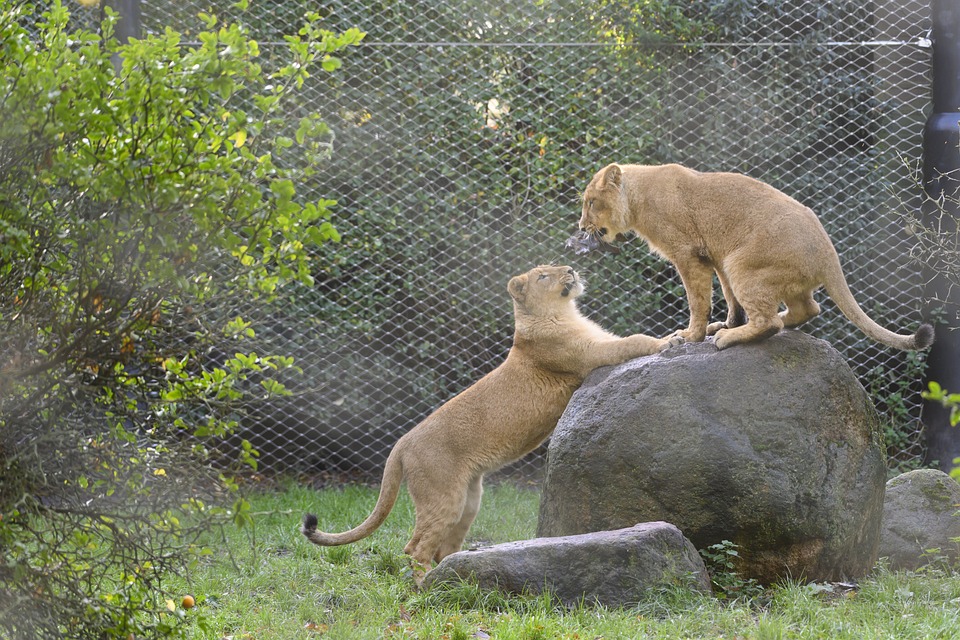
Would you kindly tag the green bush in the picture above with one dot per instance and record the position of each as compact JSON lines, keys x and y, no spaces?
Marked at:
{"x":142,"y":188}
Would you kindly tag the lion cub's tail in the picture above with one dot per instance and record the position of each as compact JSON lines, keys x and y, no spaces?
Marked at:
{"x":838,"y":290}
{"x":389,"y":489}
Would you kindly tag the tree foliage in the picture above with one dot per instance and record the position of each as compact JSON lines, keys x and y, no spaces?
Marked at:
{"x":143,"y":187}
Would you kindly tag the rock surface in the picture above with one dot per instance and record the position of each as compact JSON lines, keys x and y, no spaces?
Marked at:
{"x":612,"y":568}
{"x":919,"y":515}
{"x":774,"y":446}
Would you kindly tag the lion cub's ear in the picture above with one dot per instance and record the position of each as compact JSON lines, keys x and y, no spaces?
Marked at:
{"x":518,"y":288}
{"x":612,"y":176}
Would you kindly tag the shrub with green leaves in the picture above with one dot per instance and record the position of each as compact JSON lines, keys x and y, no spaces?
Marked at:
{"x":720,"y":559}
{"x":143,"y":187}
{"x":951,"y":401}
{"x":936,"y":393}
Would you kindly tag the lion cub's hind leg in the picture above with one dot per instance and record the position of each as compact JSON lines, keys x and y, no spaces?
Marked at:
{"x":458,"y":533}
{"x":800,"y":309}
{"x":439,"y":505}
{"x":761,"y":306}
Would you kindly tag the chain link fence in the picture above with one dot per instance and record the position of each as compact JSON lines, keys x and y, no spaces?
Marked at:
{"x":462,"y":133}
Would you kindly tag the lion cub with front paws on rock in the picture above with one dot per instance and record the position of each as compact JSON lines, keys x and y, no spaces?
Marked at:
{"x":498,"y":419}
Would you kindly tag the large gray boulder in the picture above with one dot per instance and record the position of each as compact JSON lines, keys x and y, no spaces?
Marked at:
{"x":920,"y":519}
{"x":774,"y":446}
{"x":612,"y":568}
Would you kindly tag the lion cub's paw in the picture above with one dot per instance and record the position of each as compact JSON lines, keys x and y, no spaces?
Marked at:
{"x":713,"y":327}
{"x":725,"y":339}
{"x":686,"y":335}
{"x":671,"y":341}
{"x":418,"y":572}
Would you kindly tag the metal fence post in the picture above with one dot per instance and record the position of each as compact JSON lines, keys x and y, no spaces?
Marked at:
{"x":128,"y":26}
{"x":941,"y":176}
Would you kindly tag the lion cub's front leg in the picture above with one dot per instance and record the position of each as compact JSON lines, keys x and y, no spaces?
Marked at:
{"x":620,"y":350}
{"x":697,"y":279}
{"x":736,"y":316}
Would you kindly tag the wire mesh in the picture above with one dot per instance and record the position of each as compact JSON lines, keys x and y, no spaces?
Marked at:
{"x":463,"y":132}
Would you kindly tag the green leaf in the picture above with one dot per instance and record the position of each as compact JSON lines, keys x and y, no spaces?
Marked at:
{"x":173,"y":395}
{"x":283,"y":189}
{"x":239,"y":138}
{"x":241,"y":513}
{"x":331,"y":64}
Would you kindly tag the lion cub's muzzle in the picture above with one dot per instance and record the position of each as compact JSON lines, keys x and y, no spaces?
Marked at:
{"x":569,"y":283}
{"x":584,"y":241}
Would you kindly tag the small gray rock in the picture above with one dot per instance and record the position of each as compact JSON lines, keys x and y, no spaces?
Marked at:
{"x":612,"y":568}
{"x":920,"y":513}
{"x":774,"y":446}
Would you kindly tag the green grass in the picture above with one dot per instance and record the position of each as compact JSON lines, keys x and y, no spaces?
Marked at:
{"x":273,"y":584}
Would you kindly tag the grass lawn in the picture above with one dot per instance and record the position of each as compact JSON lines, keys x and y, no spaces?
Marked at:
{"x":275,"y":585}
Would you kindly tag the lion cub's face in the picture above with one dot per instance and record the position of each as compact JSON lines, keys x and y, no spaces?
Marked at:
{"x":545,"y":286}
{"x":599,"y":219}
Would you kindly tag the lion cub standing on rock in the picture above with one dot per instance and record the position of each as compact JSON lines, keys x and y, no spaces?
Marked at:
{"x":498,"y":419}
{"x":765,"y":247}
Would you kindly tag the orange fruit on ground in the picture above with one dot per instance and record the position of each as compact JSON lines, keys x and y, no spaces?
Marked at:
{"x":187,"y":602}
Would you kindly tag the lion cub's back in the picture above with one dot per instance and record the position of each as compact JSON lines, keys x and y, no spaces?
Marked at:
{"x":758,"y":215}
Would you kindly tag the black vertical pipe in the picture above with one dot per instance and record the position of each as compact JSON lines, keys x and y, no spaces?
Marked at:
{"x":128,"y":23}
{"x":941,"y":177}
